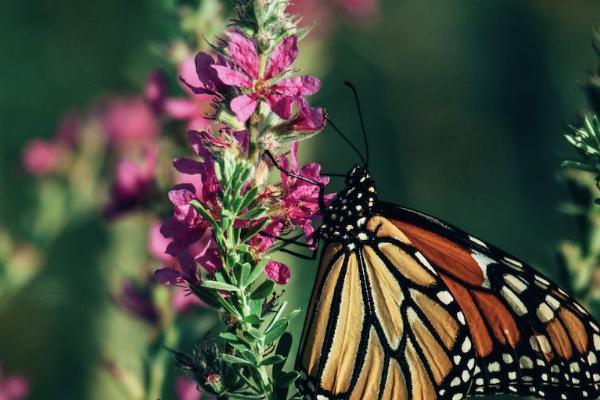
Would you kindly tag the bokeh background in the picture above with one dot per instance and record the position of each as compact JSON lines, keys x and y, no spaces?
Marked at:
{"x":466,"y":103}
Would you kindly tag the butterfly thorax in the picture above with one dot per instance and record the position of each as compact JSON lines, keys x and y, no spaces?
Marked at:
{"x":344,"y":217}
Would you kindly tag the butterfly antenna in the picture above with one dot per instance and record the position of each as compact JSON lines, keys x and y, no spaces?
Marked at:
{"x":360,"y":116}
{"x":346,"y":140}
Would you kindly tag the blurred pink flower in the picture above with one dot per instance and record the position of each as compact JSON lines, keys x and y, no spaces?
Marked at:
{"x":130,"y":121}
{"x":281,"y":94}
{"x":41,"y":157}
{"x":193,"y":108}
{"x":133,"y":183}
{"x":183,"y":300}
{"x":136,"y":300}
{"x":155,"y":90}
{"x":13,"y":387}
{"x":157,"y":245}
{"x":278,"y":272}
{"x":187,"y":389}
{"x":358,"y":8}
{"x":68,"y":129}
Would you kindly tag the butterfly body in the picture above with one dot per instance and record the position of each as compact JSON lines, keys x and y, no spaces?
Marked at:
{"x":408,"y":307}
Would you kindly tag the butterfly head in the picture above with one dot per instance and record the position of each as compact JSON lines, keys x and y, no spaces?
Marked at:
{"x":351,"y":208}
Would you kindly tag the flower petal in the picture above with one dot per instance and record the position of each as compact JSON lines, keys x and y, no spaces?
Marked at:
{"x":168,"y":276}
{"x":180,"y":108}
{"x":243,"y":51}
{"x":282,"y":57}
{"x":298,"y":86}
{"x":243,"y":106}
{"x":281,"y":105}
{"x":278,"y":272}
{"x":232,"y":77}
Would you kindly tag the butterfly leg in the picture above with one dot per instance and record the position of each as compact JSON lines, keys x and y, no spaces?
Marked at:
{"x":302,"y":178}
{"x":292,"y":241}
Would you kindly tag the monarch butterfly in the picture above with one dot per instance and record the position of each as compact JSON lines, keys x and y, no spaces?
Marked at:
{"x":408,"y":307}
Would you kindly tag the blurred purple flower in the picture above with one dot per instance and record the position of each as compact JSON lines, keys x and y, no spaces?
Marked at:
{"x":130,"y":121}
{"x":136,"y":300}
{"x":278,"y":272}
{"x":13,"y":387}
{"x":133,"y":183}
{"x":187,"y":389}
{"x":281,"y":94}
{"x":41,"y":157}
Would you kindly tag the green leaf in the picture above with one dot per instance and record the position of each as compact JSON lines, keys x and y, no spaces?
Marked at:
{"x":255,"y":333}
{"x":256,"y":306}
{"x":228,"y":336}
{"x":283,"y":349}
{"x":578,"y":165}
{"x":250,"y":233}
{"x":252,"y":319}
{"x":277,"y":314}
{"x":276,"y":359}
{"x":240,"y":346}
{"x":255,"y":213}
{"x":276,"y":331}
{"x":248,"y":198}
{"x":206,"y":296}
{"x":220,"y":286}
{"x":246,"y":268}
{"x":257,"y":270}
{"x":250,"y":356}
{"x":243,"y":396}
{"x":263,"y":290}
{"x":286,"y":379}
{"x":231,"y":359}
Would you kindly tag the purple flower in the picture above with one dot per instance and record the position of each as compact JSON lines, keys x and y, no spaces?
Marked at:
{"x":133,"y":183}
{"x":136,"y":300}
{"x":13,"y":387}
{"x":277,"y":272}
{"x":41,"y":157}
{"x":187,"y":389}
{"x":156,"y":90}
{"x":280,"y":93}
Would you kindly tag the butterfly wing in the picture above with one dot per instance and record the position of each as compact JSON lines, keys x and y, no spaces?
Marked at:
{"x":530,"y":337}
{"x":381,"y":324}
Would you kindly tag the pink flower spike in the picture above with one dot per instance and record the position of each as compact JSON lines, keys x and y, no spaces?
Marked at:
{"x":277,"y":272}
{"x":283,"y":56}
{"x":243,"y":52}
{"x":243,"y":106}
{"x":156,"y":89}
{"x":130,"y":121}
{"x":168,"y":276}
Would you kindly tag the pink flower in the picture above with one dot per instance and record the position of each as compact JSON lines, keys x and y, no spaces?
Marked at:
{"x":308,"y":120}
{"x":130,"y":121}
{"x":136,"y":300}
{"x":41,"y":157}
{"x":277,"y":272}
{"x":187,"y":389}
{"x":13,"y":387}
{"x":193,"y":108}
{"x":157,"y":245}
{"x":300,"y":199}
{"x":134,"y":182}
{"x":68,"y":129}
{"x":280,"y":94}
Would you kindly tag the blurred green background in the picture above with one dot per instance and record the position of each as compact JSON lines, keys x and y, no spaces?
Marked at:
{"x":466,"y":103}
